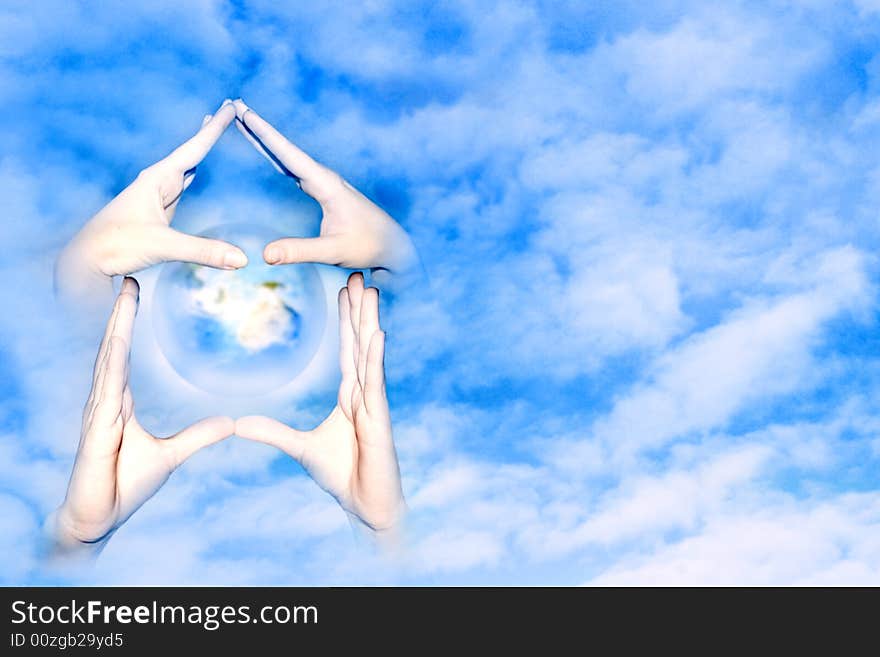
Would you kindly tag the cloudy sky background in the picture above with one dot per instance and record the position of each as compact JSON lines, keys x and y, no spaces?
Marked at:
{"x":648,"y":352}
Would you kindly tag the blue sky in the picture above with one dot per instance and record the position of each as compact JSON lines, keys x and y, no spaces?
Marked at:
{"x":648,"y":350}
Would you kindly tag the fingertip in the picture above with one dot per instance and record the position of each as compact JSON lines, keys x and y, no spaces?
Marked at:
{"x":197,"y":436}
{"x":240,"y":109}
{"x":246,"y":427}
{"x":235,"y":259}
{"x":356,"y":278}
{"x":132,"y":287}
{"x":224,"y":425}
{"x":225,"y":113}
{"x":272,"y":254}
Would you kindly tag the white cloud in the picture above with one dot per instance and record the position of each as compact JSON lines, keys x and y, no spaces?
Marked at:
{"x":667,"y":198}
{"x":711,"y":54}
{"x":19,"y":538}
{"x":761,"y":351}
{"x":829,"y":543}
{"x":456,"y":550}
{"x":647,"y":506}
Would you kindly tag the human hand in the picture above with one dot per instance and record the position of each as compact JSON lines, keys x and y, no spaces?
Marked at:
{"x":133,"y":231}
{"x":355,"y":232}
{"x":119,"y":465}
{"x":351,"y":453}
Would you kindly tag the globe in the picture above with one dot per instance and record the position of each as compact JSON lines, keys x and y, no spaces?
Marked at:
{"x":242,"y":332}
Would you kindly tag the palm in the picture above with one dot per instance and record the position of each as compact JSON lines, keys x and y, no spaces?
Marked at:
{"x":109,"y":495}
{"x":119,"y":465}
{"x":140,"y":214}
{"x":360,"y":231}
{"x":330,"y":456}
{"x":355,"y":232}
{"x":133,"y":231}
{"x":351,"y":453}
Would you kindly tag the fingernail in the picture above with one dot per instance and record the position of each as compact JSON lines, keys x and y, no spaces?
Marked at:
{"x":273,"y":255}
{"x":234,"y":260}
{"x":225,"y":103}
{"x":241,"y":109}
{"x":132,"y":285}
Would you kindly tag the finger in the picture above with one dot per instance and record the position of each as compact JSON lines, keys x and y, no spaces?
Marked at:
{"x":346,"y":356}
{"x":316,"y":179}
{"x":120,"y":327}
{"x":326,"y":250}
{"x":346,"y":336}
{"x":262,"y":149}
{"x":121,"y":322}
{"x":127,"y":399}
{"x":177,"y":246}
{"x":190,"y":153}
{"x":369,"y":324}
{"x":355,"y":287}
{"x":201,"y":434}
{"x":374,"y":381}
{"x":272,"y":432}
{"x":112,"y":384}
{"x":190,"y":175}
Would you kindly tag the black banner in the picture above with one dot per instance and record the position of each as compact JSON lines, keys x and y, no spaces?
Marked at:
{"x":258,"y":620}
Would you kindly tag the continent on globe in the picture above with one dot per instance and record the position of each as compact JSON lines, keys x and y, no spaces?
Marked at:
{"x":257,"y":316}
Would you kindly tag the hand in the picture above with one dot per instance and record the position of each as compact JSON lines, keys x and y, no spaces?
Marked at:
{"x":351,"y":454}
{"x":119,"y":465}
{"x":355,"y":232}
{"x":132,"y":232}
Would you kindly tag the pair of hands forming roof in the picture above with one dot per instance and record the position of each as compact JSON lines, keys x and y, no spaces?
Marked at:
{"x":119,"y":464}
{"x":133,"y":231}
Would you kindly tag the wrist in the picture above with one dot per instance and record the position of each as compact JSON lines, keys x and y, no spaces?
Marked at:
{"x":388,"y":536}
{"x":404,"y":257}
{"x":79,"y":275}
{"x":64,"y":544}
{"x":403,"y":269}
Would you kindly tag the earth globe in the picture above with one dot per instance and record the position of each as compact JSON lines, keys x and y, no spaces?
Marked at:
{"x":242,"y":332}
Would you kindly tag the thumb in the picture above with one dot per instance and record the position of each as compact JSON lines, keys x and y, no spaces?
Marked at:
{"x":272,"y":432}
{"x":196,"y":436}
{"x":178,"y":246}
{"x":327,"y":250}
